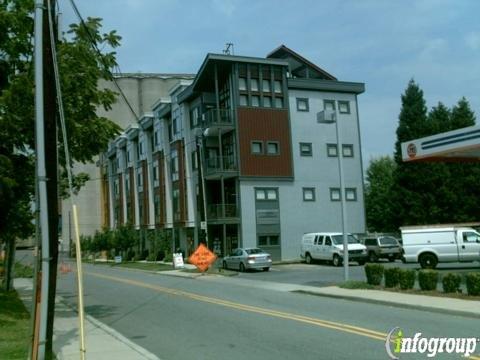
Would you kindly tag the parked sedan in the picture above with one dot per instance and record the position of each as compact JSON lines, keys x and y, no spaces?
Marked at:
{"x":247,"y":258}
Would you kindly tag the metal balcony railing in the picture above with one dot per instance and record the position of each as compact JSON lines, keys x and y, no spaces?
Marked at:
{"x":211,"y":118}
{"x":214,"y":164}
{"x":214,"y":211}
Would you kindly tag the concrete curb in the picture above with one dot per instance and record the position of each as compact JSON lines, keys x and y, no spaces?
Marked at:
{"x":392,"y":303}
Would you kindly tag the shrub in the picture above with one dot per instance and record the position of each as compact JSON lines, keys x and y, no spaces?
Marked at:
{"x":427,"y":279}
{"x":392,"y":277}
{"x":473,"y":284}
{"x":168,"y":257}
{"x":406,"y":279}
{"x":451,"y":283}
{"x":374,"y":273}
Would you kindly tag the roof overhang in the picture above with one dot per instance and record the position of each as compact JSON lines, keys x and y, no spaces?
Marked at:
{"x":462,"y":145}
{"x":326,"y":85}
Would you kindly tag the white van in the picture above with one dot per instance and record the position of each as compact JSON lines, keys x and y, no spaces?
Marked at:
{"x":329,"y":247}
{"x":430,"y":245}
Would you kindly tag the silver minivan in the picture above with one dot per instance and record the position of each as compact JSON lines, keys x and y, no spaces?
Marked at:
{"x":329,"y":247}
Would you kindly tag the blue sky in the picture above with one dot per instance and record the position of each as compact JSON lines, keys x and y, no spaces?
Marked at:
{"x":381,"y":43}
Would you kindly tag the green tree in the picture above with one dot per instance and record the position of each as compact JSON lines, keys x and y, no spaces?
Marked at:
{"x":379,"y":189}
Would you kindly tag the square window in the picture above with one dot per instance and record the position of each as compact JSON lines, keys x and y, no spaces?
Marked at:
{"x":272,"y":148}
{"x":308,"y":194}
{"x":279,"y":103}
{"x":266,"y":86}
{"x":272,"y":194}
{"x":305,"y":149}
{"x":344,"y":107}
{"x":332,"y":150}
{"x":347,"y":150}
{"x":260,"y":194}
{"x":335,"y":194}
{"x":255,"y":100}
{"x":351,"y":194}
{"x":329,"y":105}
{"x":302,"y":104}
{"x":243,"y":100}
{"x":254,"y":84}
{"x":257,"y":147}
{"x":242,"y":84}
{"x":262,"y":240}
{"x":267,"y":101}
{"x":274,"y":240}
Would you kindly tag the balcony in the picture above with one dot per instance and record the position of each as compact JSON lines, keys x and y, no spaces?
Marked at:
{"x":215,"y":213}
{"x":217,"y":166}
{"x":217,"y":120}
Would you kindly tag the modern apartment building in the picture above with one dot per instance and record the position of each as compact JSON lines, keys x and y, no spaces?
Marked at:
{"x":236,"y":156}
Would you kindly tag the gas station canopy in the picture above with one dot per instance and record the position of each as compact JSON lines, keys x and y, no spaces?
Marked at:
{"x":462,"y":145}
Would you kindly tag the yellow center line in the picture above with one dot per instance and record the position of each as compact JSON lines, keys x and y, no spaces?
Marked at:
{"x":254,"y":309}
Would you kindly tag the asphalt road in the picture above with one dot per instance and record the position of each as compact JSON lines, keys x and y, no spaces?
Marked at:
{"x":217,"y":318}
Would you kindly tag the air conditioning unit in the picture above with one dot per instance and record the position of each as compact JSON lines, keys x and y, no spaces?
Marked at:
{"x":326,"y":116}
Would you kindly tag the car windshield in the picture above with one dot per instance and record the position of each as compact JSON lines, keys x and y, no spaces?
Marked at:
{"x":254,"y":251}
{"x":338,"y":239}
{"x":388,"y":240}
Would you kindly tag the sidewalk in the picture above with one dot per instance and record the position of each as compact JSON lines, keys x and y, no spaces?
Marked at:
{"x":101,"y":341}
{"x":445,"y":305}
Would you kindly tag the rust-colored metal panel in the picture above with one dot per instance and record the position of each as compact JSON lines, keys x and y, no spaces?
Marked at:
{"x":106,"y":200}
{"x":146,"y":211}
{"x":131,"y":211}
{"x":264,"y":125}
{"x":182,"y":184}
{"x":161,"y":217}
{"x":120,"y":197}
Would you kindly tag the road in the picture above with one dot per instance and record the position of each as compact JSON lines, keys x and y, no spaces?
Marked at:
{"x":220,"y":317}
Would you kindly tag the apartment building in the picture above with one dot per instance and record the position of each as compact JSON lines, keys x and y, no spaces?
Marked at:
{"x":236,"y":156}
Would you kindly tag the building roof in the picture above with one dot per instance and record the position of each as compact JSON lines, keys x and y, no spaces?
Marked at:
{"x":299,"y":66}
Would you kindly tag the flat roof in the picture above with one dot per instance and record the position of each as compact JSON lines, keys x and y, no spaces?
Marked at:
{"x":461,"y":145}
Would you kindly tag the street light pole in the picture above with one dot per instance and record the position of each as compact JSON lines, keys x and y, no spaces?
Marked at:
{"x":321,"y":118}
{"x":342,"y":199}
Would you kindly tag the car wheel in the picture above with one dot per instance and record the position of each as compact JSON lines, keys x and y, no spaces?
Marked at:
{"x":428,"y":261}
{"x":308,"y":258}
{"x":372,"y":257}
{"x":336,"y":260}
{"x":224,"y":265}
{"x":242,"y":267}
{"x":266,"y":269}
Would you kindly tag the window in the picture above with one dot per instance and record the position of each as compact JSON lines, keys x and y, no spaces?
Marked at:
{"x":243,"y":100}
{"x":332,"y":150}
{"x":267,"y":101}
{"x":305,"y":149}
{"x":156,"y":136}
{"x":277,"y":86}
{"x":268,"y":240}
{"x":129,"y":159}
{"x":278,"y":103}
{"x":344,"y":107}
{"x":139,"y":179}
{"x":266,"y":86}
{"x":470,"y":237}
{"x":350,"y":194}
{"x":140,"y":148}
{"x":335,"y":194}
{"x":329,"y":105}
{"x":242,"y":84}
{"x":194,"y":160}
{"x":302,"y":104}
{"x":308,"y":194}
{"x":328,"y":241}
{"x":155,"y":172}
{"x":257,"y":147}
{"x":255,"y":100}
{"x":266,"y":194}
{"x":273,"y":148}
{"x":254,"y":84}
{"x":347,"y":150}
{"x":194,"y":117}
{"x":174,"y":165}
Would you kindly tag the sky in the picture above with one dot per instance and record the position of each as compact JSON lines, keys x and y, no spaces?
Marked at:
{"x":381,"y":43}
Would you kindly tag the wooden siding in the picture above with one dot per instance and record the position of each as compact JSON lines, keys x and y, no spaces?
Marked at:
{"x":182,"y":184}
{"x":146,"y":212}
{"x":264,"y":125}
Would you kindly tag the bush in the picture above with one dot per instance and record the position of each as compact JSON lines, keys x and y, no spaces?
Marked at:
{"x":406,"y":279}
{"x":374,"y":273}
{"x":473,"y":284}
{"x":427,"y":279}
{"x":451,"y":283}
{"x":168,"y":257}
{"x":392,"y":277}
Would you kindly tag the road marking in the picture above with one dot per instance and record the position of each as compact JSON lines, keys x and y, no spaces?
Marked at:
{"x":356,"y":330}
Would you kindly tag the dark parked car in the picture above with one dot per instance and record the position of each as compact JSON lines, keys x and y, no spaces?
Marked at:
{"x":383,"y":247}
{"x":247,"y":258}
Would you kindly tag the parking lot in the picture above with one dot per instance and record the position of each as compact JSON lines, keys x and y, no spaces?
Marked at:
{"x":320,"y":274}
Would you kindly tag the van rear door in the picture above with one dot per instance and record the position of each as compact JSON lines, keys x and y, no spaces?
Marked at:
{"x":469,"y":246}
